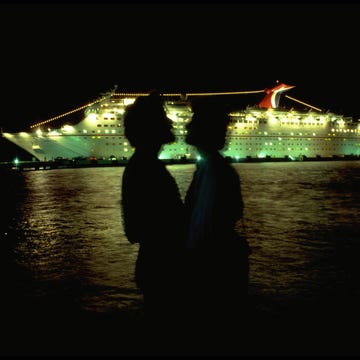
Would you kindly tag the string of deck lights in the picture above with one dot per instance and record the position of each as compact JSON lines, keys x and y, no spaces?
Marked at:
{"x":304,"y":103}
{"x":67,"y":113}
{"x":145,"y":94}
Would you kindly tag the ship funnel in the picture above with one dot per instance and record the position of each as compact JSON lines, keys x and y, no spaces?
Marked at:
{"x":272,"y":97}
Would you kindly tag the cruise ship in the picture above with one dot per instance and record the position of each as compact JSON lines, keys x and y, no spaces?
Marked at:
{"x":265,"y":130}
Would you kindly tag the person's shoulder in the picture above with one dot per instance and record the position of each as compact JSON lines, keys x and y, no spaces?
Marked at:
{"x":136,"y":162}
{"x":132,"y":167}
{"x":225,"y":164}
{"x":227,"y":170}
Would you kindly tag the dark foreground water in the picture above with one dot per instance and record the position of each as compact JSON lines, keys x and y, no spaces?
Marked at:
{"x":67,"y":269}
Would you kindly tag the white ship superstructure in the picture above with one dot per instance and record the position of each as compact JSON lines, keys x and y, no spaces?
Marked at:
{"x":261,"y":131}
{"x":278,"y":133}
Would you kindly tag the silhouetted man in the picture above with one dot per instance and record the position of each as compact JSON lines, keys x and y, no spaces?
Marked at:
{"x":152,"y":208}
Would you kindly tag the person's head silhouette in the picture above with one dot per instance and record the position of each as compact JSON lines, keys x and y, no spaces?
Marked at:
{"x":146,"y":124}
{"x":208,"y":126}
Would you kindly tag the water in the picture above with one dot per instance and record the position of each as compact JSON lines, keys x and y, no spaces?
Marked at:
{"x":63,"y":244}
{"x":303,"y":228}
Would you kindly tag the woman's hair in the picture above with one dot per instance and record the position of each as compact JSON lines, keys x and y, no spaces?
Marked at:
{"x":143,"y":118}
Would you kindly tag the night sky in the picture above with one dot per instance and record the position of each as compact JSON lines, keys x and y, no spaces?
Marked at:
{"x":56,"y":57}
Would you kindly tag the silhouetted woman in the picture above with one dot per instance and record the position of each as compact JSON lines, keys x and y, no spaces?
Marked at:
{"x":152,"y":207}
{"x":217,"y":255}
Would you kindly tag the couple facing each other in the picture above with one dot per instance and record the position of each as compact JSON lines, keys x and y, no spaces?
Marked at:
{"x":191,"y":262}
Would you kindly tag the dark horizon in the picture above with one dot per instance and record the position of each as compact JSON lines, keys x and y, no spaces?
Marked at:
{"x":59,"y":56}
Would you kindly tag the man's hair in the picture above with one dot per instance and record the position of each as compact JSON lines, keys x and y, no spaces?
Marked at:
{"x":211,"y":118}
{"x":213,"y":111}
